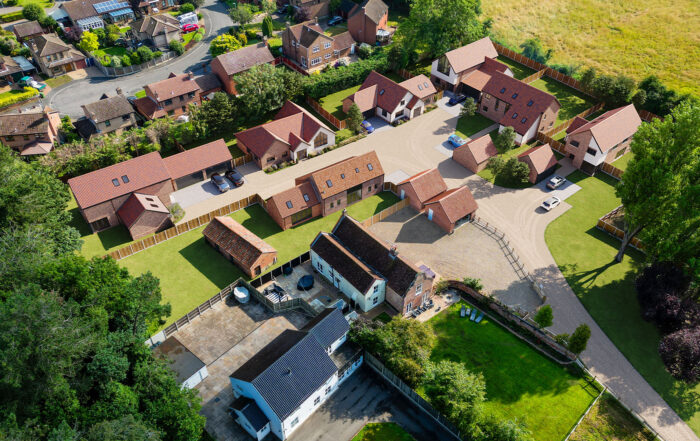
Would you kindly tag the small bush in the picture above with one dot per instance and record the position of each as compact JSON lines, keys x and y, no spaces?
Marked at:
{"x":474,"y":283}
{"x":198,"y":37}
{"x":157,"y":54}
{"x":364,"y":51}
{"x":13,"y":16}
{"x":187,"y":7}
{"x":251,"y":34}
{"x":176,"y":45}
{"x":145,"y":54}
{"x":176,"y":210}
{"x":243,"y":38}
{"x":126,"y":60}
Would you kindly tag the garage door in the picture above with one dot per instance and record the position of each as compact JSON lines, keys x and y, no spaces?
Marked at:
{"x":188,"y":180}
{"x":219,"y":168}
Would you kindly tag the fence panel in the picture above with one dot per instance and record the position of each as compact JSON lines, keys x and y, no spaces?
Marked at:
{"x":604,"y":224}
{"x":324,"y":113}
{"x":534,"y":77}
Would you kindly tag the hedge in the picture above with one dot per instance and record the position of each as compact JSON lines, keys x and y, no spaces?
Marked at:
{"x":317,"y":86}
{"x":16,"y":96}
{"x":12,"y":16}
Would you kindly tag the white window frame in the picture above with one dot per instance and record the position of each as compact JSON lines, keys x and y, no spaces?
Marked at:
{"x":327,"y":45}
{"x":316,"y":49}
{"x":327,"y":56}
{"x":316,"y":61}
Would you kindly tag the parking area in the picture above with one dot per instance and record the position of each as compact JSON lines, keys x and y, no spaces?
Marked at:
{"x":362,"y":399}
{"x":224,"y":338}
{"x":379,"y":124}
{"x":466,"y":252}
{"x":200,"y":192}
{"x":567,"y":189}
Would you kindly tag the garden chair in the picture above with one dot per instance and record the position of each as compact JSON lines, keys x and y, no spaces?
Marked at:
{"x":478,"y":319}
{"x":463,"y":312}
{"x":473,"y":316}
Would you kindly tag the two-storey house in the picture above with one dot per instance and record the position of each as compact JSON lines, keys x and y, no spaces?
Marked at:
{"x":54,"y":57}
{"x":172,"y":96}
{"x":30,"y":133}
{"x":367,"y":22}
{"x":384,"y":98}
{"x":306,"y":45}
{"x":108,"y":115}
{"x":160,"y":30}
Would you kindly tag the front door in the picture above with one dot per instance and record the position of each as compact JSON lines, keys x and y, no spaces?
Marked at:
{"x":301,"y":154}
{"x":430,"y":214}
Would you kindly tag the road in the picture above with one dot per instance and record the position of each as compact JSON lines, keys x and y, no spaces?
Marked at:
{"x":68,"y":98}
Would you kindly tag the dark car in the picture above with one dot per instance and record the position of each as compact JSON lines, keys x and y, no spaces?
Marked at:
{"x":235,"y":177}
{"x":220,"y":183}
{"x":335,"y":20}
{"x":456,"y":99}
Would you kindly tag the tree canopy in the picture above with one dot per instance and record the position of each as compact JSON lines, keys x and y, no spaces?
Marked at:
{"x":224,"y":43}
{"x":89,"y":42}
{"x":264,"y":88}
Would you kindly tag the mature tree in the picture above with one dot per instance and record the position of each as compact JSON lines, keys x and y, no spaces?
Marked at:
{"x":268,"y":7}
{"x":455,"y":392}
{"x":615,"y":91}
{"x":89,"y":42}
{"x":48,"y":22}
{"x":186,"y":7}
{"x":680,"y":352}
{"x":354,"y":118}
{"x":263,"y":89}
{"x":222,"y":44}
{"x":665,"y":297}
{"x":437,"y":26}
{"x":145,"y":54}
{"x":659,"y":188}
{"x":544,"y":316}
{"x":302,"y":14}
{"x":511,"y":172}
{"x":33,"y":11}
{"x":267,"y":28}
{"x":532,"y":48}
{"x":177,"y":47}
{"x":126,"y":428}
{"x":504,"y":140}
{"x":334,"y":6}
{"x":659,"y":99}
{"x":579,"y":339}
{"x":216,"y":115}
{"x":241,"y":15}
{"x":196,"y":3}
{"x":496,"y":429}
{"x":400,"y":57}
{"x":469,"y":108}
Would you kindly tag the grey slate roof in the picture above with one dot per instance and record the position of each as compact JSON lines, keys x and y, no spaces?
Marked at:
{"x":251,"y":411}
{"x":328,"y":326}
{"x":184,"y":363}
{"x":341,"y":260}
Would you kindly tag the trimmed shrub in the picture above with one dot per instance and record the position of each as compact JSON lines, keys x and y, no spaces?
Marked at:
{"x":317,"y":86}
{"x":145,"y":54}
{"x":186,"y":7}
{"x":16,"y":96}
{"x":176,"y":45}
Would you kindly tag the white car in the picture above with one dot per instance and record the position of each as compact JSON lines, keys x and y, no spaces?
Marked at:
{"x":556,"y":182}
{"x":550,"y":203}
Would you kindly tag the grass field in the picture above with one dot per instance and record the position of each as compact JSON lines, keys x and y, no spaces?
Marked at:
{"x":467,"y":126}
{"x":337,"y":29}
{"x":520,"y":382}
{"x":111,"y":51}
{"x":191,"y":271}
{"x":333,"y":103}
{"x":585,"y":256}
{"x":382,"y":432}
{"x":634,"y":37}
{"x":58,"y":81}
{"x":572,"y":101}
{"x":623,"y":160}
{"x":609,"y":421}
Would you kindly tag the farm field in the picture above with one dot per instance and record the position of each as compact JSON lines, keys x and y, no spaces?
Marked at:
{"x":634,"y":37}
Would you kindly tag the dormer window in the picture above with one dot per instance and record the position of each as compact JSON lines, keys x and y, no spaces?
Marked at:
{"x":289,"y":204}
{"x":515,"y":115}
{"x":503,"y":90}
{"x":514,"y":96}
{"x":420,"y":87}
{"x":329,"y":183}
{"x":530,"y":103}
{"x":425,"y":84}
{"x":115,"y":182}
{"x":369,"y":167}
{"x":125,"y":179}
{"x":306,"y":197}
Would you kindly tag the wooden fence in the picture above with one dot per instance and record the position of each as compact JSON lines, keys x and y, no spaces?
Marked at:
{"x":237,"y":162}
{"x":534,"y":77}
{"x":648,"y":116}
{"x":324,"y":113}
{"x":556,"y":145}
{"x":605,"y":224}
{"x":385,"y":213}
{"x":565,"y":125}
{"x":611,"y":170}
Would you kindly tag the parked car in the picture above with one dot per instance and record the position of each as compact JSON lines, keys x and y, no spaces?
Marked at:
{"x":456,"y":141}
{"x":190,"y":28}
{"x":31,"y":82}
{"x":400,"y":120}
{"x":235,"y":177}
{"x":555,"y":182}
{"x":220,"y":183}
{"x":367,"y":126}
{"x":335,"y":20}
{"x":550,"y":203}
{"x":456,"y":99}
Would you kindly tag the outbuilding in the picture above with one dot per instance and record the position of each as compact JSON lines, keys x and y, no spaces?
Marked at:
{"x":451,"y":208}
{"x":541,"y":161}
{"x":188,"y":368}
{"x":198,"y":164}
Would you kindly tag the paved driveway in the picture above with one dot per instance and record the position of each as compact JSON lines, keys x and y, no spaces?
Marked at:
{"x":203,"y":191}
{"x":363,"y":399}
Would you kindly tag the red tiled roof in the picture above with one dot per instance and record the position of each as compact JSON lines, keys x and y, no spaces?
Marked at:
{"x":612,"y":127}
{"x":541,"y":157}
{"x":471,"y":55}
{"x":426,"y":184}
{"x":384,"y":93}
{"x":481,"y":148}
{"x":578,"y":122}
{"x":236,"y":240}
{"x":136,"y":204}
{"x":295,"y":197}
{"x":346,"y":174}
{"x":97,"y":186}
{"x":173,"y":86}
{"x":198,"y":158}
{"x":529,"y":102}
{"x":148,"y":108}
{"x":419,"y":86}
{"x":457,"y":203}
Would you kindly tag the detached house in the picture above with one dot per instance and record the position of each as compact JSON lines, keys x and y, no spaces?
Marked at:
{"x":172,"y":96}
{"x":541,"y":161}
{"x":225,"y":66}
{"x":368,"y":270}
{"x":327,"y":190}
{"x":159,"y":30}
{"x":92,"y":14}
{"x":367,"y":22}
{"x":294,"y":134}
{"x":475,"y":154}
{"x":306,"y":45}
{"x":30,"y":133}
{"x":384,"y":98}
{"x":468,"y":68}
{"x":53,"y":56}
{"x":108,"y":115}
{"x":278,"y":388}
{"x":606,"y":138}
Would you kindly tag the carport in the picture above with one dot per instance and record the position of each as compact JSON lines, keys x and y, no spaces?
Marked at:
{"x":198,"y":164}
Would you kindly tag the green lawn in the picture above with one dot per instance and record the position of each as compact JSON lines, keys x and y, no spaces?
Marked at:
{"x":623,"y":160}
{"x":190,"y":271}
{"x":57,"y":81}
{"x":333,"y":103}
{"x":520,"y":71}
{"x":469,"y":125}
{"x":609,"y":421}
{"x":489,"y":176}
{"x":382,"y":432}
{"x":110,"y":51}
{"x":44,"y":4}
{"x":572,"y":101}
{"x":520,"y":382}
{"x":395,"y":18}
{"x":186,"y":38}
{"x":585,"y":256}
{"x":337,"y":29}
{"x":140,"y":94}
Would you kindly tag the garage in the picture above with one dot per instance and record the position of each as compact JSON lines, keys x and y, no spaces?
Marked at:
{"x":188,"y":180}
{"x":195,"y":165}
{"x":218,"y":169}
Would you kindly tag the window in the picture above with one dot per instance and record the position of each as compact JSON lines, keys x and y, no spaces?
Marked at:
{"x":375,"y":300}
{"x":327,"y":56}
{"x":168,"y":102}
{"x":108,"y":123}
{"x":321,"y":139}
{"x":317,"y":400}
{"x":497,"y":103}
{"x":289,"y":204}
{"x":184,"y":109}
{"x":9,"y":138}
{"x":328,"y":390}
{"x":125,"y":179}
{"x":485,"y":109}
{"x":420,"y":87}
{"x":443,"y":66}
{"x":514,"y":96}
{"x":100,"y":224}
{"x":303,"y":61}
{"x":315,"y":61}
{"x":115,"y":182}
{"x":515,"y":115}
{"x":294,"y":422}
{"x":357,"y":170}
{"x":523,"y":120}
{"x":626,"y":139}
{"x":285,"y":154}
{"x":319,"y":266}
{"x":384,"y":112}
{"x":327,"y":45}
{"x":270,"y":159}
{"x":530,"y":103}
{"x":403,"y":102}
{"x":329,"y":183}
{"x":376,"y":288}
{"x":544,"y":116}
{"x":306,"y":197}
{"x":182,"y":98}
{"x":369,"y":167}
{"x":503,"y":90}
{"x":190,"y":95}
{"x":336,"y":53}
{"x":574,"y":143}
{"x":381,"y":92}
{"x":316,"y":49}
{"x":419,"y":289}
{"x":369,"y":188}
{"x":342,"y":176}
{"x":332,"y":205}
{"x":126,"y":117}
{"x":171,"y":112}
{"x":375,"y":186}
{"x":591,"y":152}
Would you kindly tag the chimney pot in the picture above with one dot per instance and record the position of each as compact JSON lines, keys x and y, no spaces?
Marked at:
{"x":190,"y":75}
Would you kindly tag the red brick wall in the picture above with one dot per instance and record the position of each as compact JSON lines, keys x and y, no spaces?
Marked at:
{"x":440,"y":218}
{"x":399,"y":302}
{"x":218,"y":69}
{"x":487,"y":107}
{"x":411,"y":195}
{"x":548,"y":118}
{"x":464,"y":158}
{"x":149,"y":222}
{"x":584,"y":139}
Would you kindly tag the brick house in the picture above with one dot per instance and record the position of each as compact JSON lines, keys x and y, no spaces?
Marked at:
{"x":101,"y":194}
{"x":422,"y":187}
{"x":475,"y":154}
{"x":451,"y":208}
{"x":591,"y":143}
{"x":316,"y":8}
{"x":54,"y":57}
{"x":306,"y":45}
{"x":144,"y":214}
{"x":327,"y":190}
{"x":421,"y":87}
{"x":30,"y":133}
{"x":293,"y":134}
{"x":512,"y":103}
{"x":172,"y":96}
{"x":239,"y":245}
{"x":367,"y":269}
{"x":468,"y":68}
{"x":541,"y":161}
{"x":367,"y":19}
{"x":384,"y":98}
{"x":86,"y":15}
{"x":160,"y":30}
{"x":108,"y":115}
{"x":225,"y":66}
{"x":27,"y":30}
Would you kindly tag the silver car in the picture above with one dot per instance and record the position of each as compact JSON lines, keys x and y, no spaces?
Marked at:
{"x":555,"y":182}
{"x":550,"y":203}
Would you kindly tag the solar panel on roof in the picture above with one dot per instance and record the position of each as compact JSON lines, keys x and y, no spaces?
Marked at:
{"x":110,"y":5}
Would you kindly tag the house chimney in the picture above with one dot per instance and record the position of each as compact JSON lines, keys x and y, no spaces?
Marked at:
{"x":119,"y":91}
{"x":393,"y":252}
{"x":190,"y":75}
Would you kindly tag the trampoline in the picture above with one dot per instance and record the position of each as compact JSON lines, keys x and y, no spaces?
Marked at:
{"x":305,"y":283}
